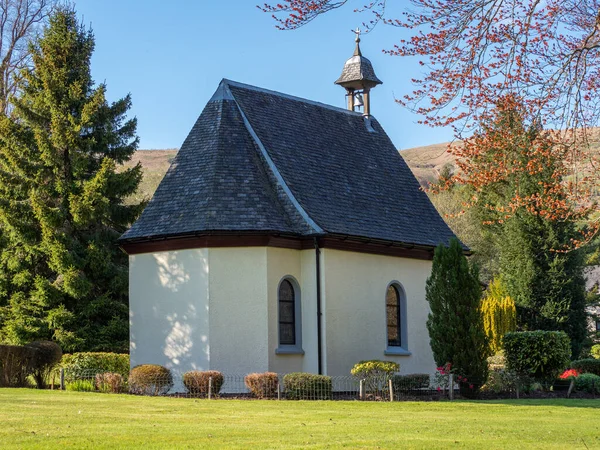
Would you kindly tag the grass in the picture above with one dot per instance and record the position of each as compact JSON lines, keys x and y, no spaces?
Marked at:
{"x":52,"y":419}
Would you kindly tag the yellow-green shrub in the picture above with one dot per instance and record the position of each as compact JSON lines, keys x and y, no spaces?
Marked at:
{"x":499,"y":314}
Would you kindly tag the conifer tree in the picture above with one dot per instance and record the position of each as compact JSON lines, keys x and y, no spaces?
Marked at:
{"x":62,"y":276}
{"x":499,"y":314}
{"x":455,"y":323}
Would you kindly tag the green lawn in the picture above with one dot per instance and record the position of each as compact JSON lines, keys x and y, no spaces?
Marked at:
{"x":53,"y":419}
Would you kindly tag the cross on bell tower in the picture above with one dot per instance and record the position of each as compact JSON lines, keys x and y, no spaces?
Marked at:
{"x":358,"y":78}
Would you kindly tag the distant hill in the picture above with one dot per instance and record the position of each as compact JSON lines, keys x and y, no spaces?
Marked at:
{"x":425,"y":162}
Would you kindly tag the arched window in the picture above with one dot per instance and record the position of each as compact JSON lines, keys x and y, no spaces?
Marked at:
{"x":287,"y":313}
{"x":394,"y":317}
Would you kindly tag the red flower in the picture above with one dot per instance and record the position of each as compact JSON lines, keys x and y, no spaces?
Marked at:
{"x":568,"y":374}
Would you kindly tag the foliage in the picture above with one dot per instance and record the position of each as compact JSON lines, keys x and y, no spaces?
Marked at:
{"x":499,"y":314}
{"x":588,"y":382}
{"x":375,"y":374}
{"x":455,"y":323}
{"x":595,"y":351}
{"x":16,"y":364}
{"x":62,"y":276}
{"x":81,"y":386}
{"x":262,"y":385}
{"x":538,"y":355}
{"x":197,"y":382}
{"x":150,"y":379}
{"x":497,"y":361}
{"x":110,"y":382}
{"x":85,"y":364}
{"x":410,"y":382}
{"x":307,"y":386}
{"x":500,"y":381}
{"x":588,"y":365}
{"x":47,"y":356}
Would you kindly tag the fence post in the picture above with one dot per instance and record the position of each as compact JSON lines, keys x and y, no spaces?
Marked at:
{"x":391,"y":390}
{"x":451,"y":386}
{"x":209,"y":388}
{"x":571,"y":386}
{"x":62,"y":379}
{"x":361,"y":390}
{"x":278,"y":391}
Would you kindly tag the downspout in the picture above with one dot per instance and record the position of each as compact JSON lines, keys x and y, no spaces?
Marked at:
{"x":319,"y":313}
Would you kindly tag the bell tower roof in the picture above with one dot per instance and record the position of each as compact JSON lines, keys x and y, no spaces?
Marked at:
{"x":358,"y":71}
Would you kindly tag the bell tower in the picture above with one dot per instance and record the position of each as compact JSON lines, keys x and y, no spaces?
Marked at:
{"x":358,"y":78}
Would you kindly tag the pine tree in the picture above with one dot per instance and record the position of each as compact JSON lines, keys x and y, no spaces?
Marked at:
{"x":62,"y":276}
{"x":455,"y":323}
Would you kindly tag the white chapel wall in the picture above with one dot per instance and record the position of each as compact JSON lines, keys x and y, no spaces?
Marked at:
{"x":168,"y":304}
{"x":354,"y":298}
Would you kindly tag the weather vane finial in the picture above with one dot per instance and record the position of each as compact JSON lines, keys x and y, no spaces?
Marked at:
{"x":357,"y":32}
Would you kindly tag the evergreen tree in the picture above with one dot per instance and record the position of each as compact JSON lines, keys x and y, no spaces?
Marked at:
{"x":455,"y":323}
{"x":62,"y":276}
{"x":499,"y":314}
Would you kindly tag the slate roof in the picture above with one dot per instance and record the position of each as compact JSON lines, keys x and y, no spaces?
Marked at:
{"x":358,"y":71}
{"x":262,"y":161}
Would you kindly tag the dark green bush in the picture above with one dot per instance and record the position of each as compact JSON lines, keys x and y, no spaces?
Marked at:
{"x":262,"y":385}
{"x":88,"y":364}
{"x":588,"y":382}
{"x":307,"y":386}
{"x":16,"y":364}
{"x":196,"y":382}
{"x":150,"y":379}
{"x":538,"y":355}
{"x":46,"y":358}
{"x":589,"y":365}
{"x":410,"y":382}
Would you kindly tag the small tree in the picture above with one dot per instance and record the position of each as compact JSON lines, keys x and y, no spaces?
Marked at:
{"x":499,"y":314}
{"x":455,"y":323}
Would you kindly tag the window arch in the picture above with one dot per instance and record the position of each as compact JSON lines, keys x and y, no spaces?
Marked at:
{"x":394,"y":316}
{"x":287,"y":313}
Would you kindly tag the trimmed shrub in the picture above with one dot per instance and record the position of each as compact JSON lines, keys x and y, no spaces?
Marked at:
{"x":110,"y":382}
{"x":499,"y":381}
{"x":588,"y":382}
{"x":375,"y":374}
{"x":150,"y":379}
{"x":88,"y":364}
{"x":46,"y":358}
{"x":410,"y":382}
{"x":196,"y":382}
{"x":81,"y":386}
{"x":16,"y":364}
{"x":537,"y":355}
{"x":262,"y":385}
{"x":307,"y":386}
{"x":595,"y":351}
{"x":499,"y":314}
{"x":588,"y":365}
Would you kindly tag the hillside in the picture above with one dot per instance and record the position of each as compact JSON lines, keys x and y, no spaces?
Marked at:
{"x":425,"y":162}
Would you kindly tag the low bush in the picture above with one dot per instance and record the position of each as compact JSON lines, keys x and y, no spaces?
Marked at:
{"x":375,"y":374}
{"x":81,"y":386}
{"x":595,"y":351}
{"x":88,"y":364}
{"x":262,"y":385}
{"x":110,"y":382}
{"x":537,"y":355}
{"x":588,"y":382}
{"x":497,"y":361}
{"x":16,"y":364}
{"x":589,"y":365}
{"x":410,"y":382}
{"x":307,"y":386}
{"x":150,"y":379}
{"x":47,"y":356}
{"x":196,"y":382}
{"x":500,"y":381}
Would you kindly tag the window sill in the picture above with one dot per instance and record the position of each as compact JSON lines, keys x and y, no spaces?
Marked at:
{"x":289,"y":351}
{"x":396,"y":351}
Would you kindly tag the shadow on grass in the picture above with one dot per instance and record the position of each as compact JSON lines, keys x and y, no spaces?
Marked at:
{"x":562,"y":402}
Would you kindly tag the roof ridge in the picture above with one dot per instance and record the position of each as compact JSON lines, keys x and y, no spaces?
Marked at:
{"x":288,"y":96}
{"x":271,"y":165}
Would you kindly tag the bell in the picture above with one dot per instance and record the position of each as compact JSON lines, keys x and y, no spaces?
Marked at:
{"x":358,"y":102}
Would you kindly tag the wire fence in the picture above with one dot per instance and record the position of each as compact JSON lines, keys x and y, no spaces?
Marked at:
{"x":295,"y":386}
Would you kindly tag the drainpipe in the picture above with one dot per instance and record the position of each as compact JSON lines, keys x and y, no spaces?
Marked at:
{"x":319,"y":334}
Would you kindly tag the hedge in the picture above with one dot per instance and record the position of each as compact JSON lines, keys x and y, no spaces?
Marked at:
{"x":16,"y":364}
{"x":150,"y":379}
{"x":410,"y":382}
{"x":539,"y":355}
{"x":589,"y":365}
{"x":196,"y":382}
{"x":262,"y":385}
{"x":88,"y":364}
{"x":307,"y":386}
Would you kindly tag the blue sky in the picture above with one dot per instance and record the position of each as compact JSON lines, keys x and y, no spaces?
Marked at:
{"x":171,"y":55}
